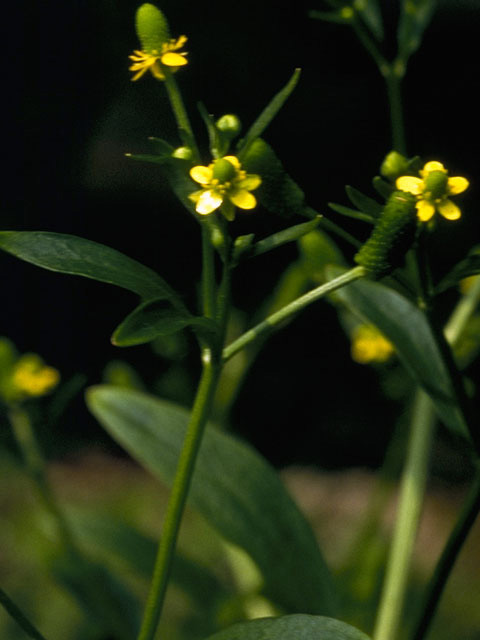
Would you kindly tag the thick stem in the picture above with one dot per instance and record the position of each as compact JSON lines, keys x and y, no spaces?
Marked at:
{"x":409,"y":510}
{"x":291,"y":309}
{"x":444,"y":566}
{"x":178,"y":496}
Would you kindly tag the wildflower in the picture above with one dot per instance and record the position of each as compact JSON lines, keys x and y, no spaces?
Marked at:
{"x":154,"y":59}
{"x":433,"y":190}
{"x":31,"y":377}
{"x":369,"y":345}
{"x":225,"y":185}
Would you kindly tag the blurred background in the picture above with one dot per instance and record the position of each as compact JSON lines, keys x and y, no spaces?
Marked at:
{"x":76,"y":114}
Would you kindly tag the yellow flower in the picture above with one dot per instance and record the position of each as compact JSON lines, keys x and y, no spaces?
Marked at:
{"x":225,"y":185}
{"x":153,"y":60}
{"x":433,"y":190}
{"x":369,"y":345}
{"x":31,"y":377}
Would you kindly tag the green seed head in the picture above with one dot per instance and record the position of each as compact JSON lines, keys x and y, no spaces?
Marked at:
{"x":436,"y":185}
{"x":152,"y":28}
{"x":223,"y":170}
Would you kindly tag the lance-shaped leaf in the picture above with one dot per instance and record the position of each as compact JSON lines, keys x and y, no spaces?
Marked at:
{"x":364,"y":203}
{"x":81,"y":257}
{"x":153,"y":319}
{"x":233,"y":487}
{"x":267,"y":115}
{"x":407,"y":327}
{"x":470,"y":266}
{"x":294,"y":627}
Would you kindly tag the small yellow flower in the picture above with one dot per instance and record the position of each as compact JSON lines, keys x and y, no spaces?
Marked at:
{"x":153,"y":60}
{"x":369,"y":345}
{"x":433,"y":190}
{"x":31,"y":377}
{"x":225,"y":185}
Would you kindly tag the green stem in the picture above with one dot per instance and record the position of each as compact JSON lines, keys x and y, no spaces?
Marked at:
{"x":180,"y":113}
{"x":178,"y":496}
{"x":455,"y":542}
{"x":462,"y":313}
{"x":393,"y":75}
{"x":12,"y":609}
{"x":409,"y":509}
{"x":291,"y":309}
{"x":36,"y":467}
{"x":208,"y":274}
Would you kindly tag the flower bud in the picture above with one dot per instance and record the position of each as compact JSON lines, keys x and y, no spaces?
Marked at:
{"x":229,"y":125}
{"x":394,"y":165}
{"x":152,"y":28}
{"x":184,"y":153}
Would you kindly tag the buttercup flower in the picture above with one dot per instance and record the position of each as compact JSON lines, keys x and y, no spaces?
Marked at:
{"x":153,"y":60}
{"x":369,"y":345}
{"x":433,"y":190}
{"x":225,"y":185}
{"x":31,"y":377}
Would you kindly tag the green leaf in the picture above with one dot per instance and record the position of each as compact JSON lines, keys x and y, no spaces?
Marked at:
{"x":351,"y":213}
{"x":152,"y":319}
{"x":267,"y":115}
{"x":383,"y":188}
{"x":233,"y":487}
{"x":77,"y":256}
{"x":283,"y":237}
{"x":317,"y":251}
{"x":408,"y":329}
{"x":278,"y":193}
{"x":365,"y":204}
{"x":470,"y":266}
{"x":294,"y":627}
{"x":414,"y":19}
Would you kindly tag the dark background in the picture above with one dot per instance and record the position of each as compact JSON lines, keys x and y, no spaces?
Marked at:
{"x":76,"y":113}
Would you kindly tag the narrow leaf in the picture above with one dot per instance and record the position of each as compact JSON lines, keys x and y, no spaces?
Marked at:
{"x":268,"y":114}
{"x":294,"y":627}
{"x":283,"y":237}
{"x":408,"y":329}
{"x":351,"y":213}
{"x":153,"y":319}
{"x":470,"y":266}
{"x":365,"y":204}
{"x":233,"y":487}
{"x":77,"y":256}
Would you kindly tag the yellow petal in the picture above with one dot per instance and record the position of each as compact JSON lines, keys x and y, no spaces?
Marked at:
{"x":250,"y":182}
{"x":171,"y":59}
{"x":243,"y":199}
{"x":449,"y":210}
{"x":457,"y":185}
{"x":201,"y":174}
{"x":425,"y":210}
{"x":409,"y":184}
{"x":233,"y":160}
{"x":433,"y":165}
{"x":208,"y":202}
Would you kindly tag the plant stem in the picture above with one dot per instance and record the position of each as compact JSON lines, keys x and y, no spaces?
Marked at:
{"x":180,"y":113}
{"x":409,"y":509}
{"x":444,"y":566}
{"x":393,"y":75}
{"x":36,"y":467}
{"x":12,"y":609}
{"x":291,"y":309}
{"x":178,"y":496}
{"x":208,"y":275}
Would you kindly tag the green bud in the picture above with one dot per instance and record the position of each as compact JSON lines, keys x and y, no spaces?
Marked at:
{"x":184,"y":153}
{"x":223,"y":170}
{"x":152,"y":28}
{"x":229,"y":125}
{"x":436,"y":184}
{"x":394,"y":165}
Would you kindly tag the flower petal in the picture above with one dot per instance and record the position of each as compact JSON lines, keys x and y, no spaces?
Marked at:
{"x":457,"y":185}
{"x":449,"y":210}
{"x":433,"y":165}
{"x":208,"y":202}
{"x":201,"y":174}
{"x":409,"y":184}
{"x":171,"y":59}
{"x":243,"y":199}
{"x":425,"y":210}
{"x":233,"y":160}
{"x":250,"y":182}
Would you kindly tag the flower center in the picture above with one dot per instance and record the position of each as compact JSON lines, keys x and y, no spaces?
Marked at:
{"x":436,"y":184}
{"x":223,"y":170}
